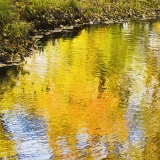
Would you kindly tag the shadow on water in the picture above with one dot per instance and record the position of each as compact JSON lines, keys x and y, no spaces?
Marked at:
{"x":9,"y":77}
{"x":65,"y":34}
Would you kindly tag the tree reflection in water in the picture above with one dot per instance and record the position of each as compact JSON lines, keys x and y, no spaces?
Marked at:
{"x":94,"y":96}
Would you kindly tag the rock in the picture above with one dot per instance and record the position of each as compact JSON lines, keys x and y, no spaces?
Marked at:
{"x":68,"y":27}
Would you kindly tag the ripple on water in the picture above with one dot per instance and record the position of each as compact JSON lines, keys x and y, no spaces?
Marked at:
{"x":92,"y":96}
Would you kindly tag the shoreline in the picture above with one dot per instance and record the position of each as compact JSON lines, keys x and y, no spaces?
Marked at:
{"x":60,"y":32}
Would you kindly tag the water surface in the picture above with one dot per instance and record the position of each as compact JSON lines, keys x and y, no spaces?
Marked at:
{"x":94,"y":96}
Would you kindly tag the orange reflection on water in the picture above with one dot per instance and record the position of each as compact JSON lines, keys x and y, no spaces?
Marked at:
{"x":81,"y":112}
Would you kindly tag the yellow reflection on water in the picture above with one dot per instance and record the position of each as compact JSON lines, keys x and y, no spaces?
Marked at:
{"x":78,"y":102}
{"x":96,"y":93}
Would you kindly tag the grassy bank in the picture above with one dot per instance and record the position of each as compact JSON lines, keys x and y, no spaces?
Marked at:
{"x":21,"y":20}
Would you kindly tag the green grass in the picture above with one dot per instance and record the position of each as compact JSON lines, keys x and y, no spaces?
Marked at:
{"x":7,"y":12}
{"x":17,"y":30}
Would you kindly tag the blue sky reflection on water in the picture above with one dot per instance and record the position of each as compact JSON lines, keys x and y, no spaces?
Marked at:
{"x":29,"y":133}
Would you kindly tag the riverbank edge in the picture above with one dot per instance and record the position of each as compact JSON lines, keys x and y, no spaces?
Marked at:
{"x":75,"y":21}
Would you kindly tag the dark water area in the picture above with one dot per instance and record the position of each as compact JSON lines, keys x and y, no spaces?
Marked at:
{"x":92,"y":96}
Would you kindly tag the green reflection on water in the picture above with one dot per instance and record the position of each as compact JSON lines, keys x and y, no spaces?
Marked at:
{"x":97,"y":95}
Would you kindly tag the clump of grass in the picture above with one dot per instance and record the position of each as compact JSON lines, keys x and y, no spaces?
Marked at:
{"x":16,"y":31}
{"x":70,"y":4}
{"x":32,"y":8}
{"x":6,"y":12}
{"x":43,"y":4}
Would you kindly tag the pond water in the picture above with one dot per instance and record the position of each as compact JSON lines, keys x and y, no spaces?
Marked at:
{"x":92,"y":96}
